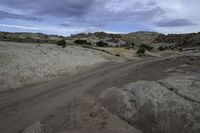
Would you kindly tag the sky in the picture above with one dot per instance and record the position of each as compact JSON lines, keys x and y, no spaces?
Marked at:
{"x":65,"y":17}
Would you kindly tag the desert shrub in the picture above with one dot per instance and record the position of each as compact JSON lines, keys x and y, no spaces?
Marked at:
{"x":180,"y":49}
{"x":79,"y":41}
{"x":141,"y":51}
{"x":28,"y":38}
{"x":147,"y":47}
{"x":117,"y":55}
{"x":89,"y":43}
{"x":102,"y":44}
{"x":61,"y":43}
{"x":132,"y":44}
{"x":162,"y":48}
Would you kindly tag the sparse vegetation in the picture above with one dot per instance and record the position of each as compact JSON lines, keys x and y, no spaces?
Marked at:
{"x":80,"y":41}
{"x":147,"y":47}
{"x":29,"y":37}
{"x":61,"y":43}
{"x":117,"y":55}
{"x":102,"y":44}
{"x":180,"y":49}
{"x":162,"y":48}
{"x":141,"y":51}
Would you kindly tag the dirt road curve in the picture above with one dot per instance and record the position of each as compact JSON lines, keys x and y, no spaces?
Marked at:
{"x":23,"y":107}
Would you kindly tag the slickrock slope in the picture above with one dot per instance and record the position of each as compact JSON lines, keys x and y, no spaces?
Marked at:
{"x":169,"y":105}
{"x":164,"y":103}
{"x":22,"y":63}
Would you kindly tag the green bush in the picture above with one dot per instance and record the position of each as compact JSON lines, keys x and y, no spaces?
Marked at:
{"x":117,"y":55}
{"x":102,"y":44}
{"x":61,"y":43}
{"x":141,"y":51}
{"x":147,"y":47}
{"x":79,"y":41}
{"x":162,"y":48}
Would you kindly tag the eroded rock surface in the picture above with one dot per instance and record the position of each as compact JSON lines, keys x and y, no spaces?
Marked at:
{"x":170,"y":105}
{"x":84,"y":115}
{"x":22,"y":63}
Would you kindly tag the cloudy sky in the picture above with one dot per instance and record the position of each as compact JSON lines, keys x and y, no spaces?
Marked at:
{"x":116,"y":16}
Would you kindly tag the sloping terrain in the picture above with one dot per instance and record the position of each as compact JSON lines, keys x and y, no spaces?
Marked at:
{"x":180,"y":40}
{"x":29,"y":63}
{"x":29,"y":37}
{"x":170,"y":105}
{"x":170,"y":41}
{"x":114,"y":97}
{"x":137,"y":38}
{"x":84,"y":115}
{"x":140,"y":37}
{"x":153,"y":94}
{"x":167,"y":105}
{"x":94,"y":38}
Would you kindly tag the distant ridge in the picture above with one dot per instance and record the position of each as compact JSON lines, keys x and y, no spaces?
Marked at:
{"x":138,"y":38}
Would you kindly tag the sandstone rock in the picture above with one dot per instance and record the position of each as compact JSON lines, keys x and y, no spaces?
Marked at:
{"x":170,"y":105}
{"x":85,"y":115}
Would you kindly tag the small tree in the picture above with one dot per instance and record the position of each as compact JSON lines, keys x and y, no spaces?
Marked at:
{"x":79,"y":41}
{"x":147,"y":47}
{"x":141,"y":51}
{"x":162,"y":48}
{"x":102,"y":44}
{"x":61,"y":43}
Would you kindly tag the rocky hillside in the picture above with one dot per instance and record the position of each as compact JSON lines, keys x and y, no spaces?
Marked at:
{"x":100,"y":35}
{"x":103,"y":39}
{"x":29,"y":37}
{"x":137,"y":38}
{"x":141,"y":37}
{"x":99,"y":38}
{"x":180,"y":40}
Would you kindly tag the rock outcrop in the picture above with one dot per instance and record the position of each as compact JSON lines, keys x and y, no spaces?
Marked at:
{"x":141,"y":37}
{"x":31,"y":63}
{"x":180,"y":40}
{"x":170,"y":105}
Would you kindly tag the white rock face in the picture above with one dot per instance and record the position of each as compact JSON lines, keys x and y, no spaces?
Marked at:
{"x":28,"y":63}
{"x":170,"y":105}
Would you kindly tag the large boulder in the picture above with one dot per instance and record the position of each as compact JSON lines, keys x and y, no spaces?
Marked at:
{"x":170,"y":105}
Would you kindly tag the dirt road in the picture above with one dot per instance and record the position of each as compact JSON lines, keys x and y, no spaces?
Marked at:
{"x":23,"y":107}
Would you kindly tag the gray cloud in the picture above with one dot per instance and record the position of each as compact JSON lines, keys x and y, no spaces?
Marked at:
{"x":86,"y":9}
{"x":65,"y":25}
{"x":7,"y":15}
{"x":70,"y":8}
{"x":102,"y":14}
{"x":60,"y":8}
{"x":102,"y":17}
{"x":147,"y":15}
{"x":174,"y":23}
